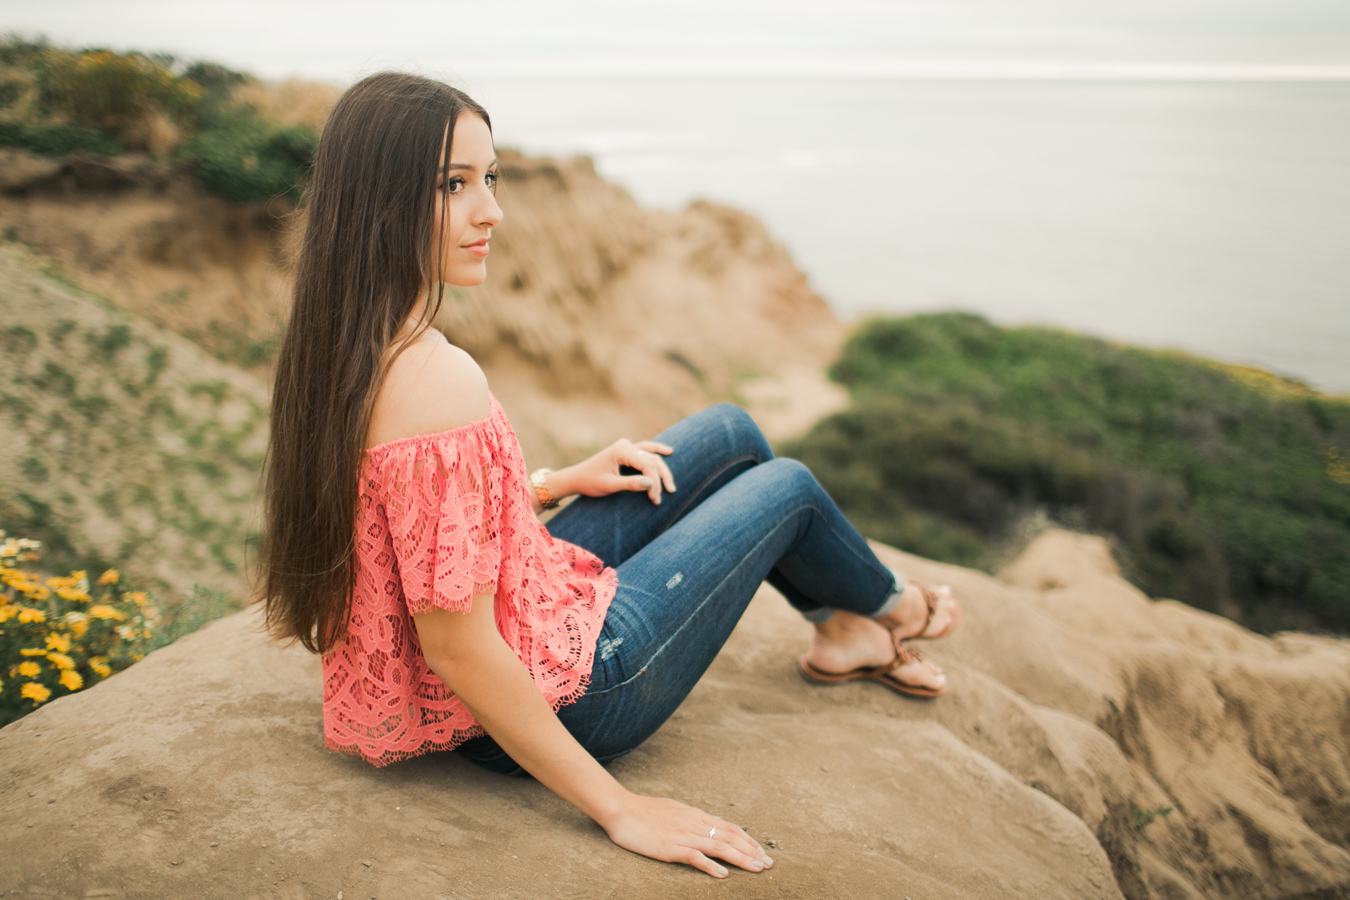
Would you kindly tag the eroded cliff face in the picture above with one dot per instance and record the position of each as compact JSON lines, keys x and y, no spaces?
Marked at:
{"x":599,"y":319}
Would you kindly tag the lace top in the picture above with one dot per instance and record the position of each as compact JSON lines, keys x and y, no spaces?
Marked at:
{"x":440,"y":518}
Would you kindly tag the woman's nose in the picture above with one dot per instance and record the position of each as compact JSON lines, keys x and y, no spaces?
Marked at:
{"x":489,"y":213}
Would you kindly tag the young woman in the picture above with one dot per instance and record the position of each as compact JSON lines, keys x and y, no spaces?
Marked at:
{"x":401,"y":536}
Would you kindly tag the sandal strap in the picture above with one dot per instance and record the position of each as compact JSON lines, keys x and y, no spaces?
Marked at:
{"x":930,"y":599}
{"x":904,"y":655}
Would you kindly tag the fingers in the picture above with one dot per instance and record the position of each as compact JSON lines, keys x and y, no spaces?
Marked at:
{"x":655,"y":447}
{"x":665,"y":450}
{"x":696,"y":859}
{"x":654,"y":470}
{"x":732,"y":844}
{"x":750,"y":862}
{"x":638,"y":483}
{"x":704,"y":857}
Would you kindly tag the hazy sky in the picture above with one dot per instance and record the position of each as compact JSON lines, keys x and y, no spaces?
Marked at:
{"x":337,"y":40}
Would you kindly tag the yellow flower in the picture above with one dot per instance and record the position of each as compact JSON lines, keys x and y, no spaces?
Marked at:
{"x":109,"y":577}
{"x":20,"y":581}
{"x":58,"y":642}
{"x":29,"y":669}
{"x":77,"y":622}
{"x":71,"y":680}
{"x":35,"y":692}
{"x":104,"y":611}
{"x":137,"y":597}
{"x":72,"y":594}
{"x":7,"y":612}
{"x":26,"y":615}
{"x":60,"y":660}
{"x":32,"y":651}
{"x":100,"y":665}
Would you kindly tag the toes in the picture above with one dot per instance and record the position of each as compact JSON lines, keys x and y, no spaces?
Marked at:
{"x":946,"y":614}
{"x":921,"y":673}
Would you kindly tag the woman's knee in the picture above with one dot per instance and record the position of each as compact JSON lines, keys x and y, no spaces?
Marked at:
{"x":789,"y":475}
{"x":741,"y":430}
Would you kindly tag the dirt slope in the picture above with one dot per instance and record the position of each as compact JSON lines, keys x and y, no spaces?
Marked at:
{"x":122,"y":442}
{"x":599,"y":319}
{"x":1075,"y":701}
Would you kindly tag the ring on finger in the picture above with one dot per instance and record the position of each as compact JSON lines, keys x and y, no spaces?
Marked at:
{"x":713,"y":832}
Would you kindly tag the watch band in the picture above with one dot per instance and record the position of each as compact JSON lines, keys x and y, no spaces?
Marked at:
{"x":539,"y":478}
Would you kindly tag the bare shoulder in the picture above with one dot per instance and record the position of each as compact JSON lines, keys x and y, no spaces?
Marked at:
{"x":431,"y":387}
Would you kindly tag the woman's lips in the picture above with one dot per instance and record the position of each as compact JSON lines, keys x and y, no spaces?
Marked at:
{"x":478,"y":249}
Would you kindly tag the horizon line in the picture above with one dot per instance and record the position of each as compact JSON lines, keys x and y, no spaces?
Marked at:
{"x":936,"y":70}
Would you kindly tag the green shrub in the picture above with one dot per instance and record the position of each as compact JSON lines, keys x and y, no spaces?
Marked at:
{"x":243,"y":158}
{"x":58,"y":140}
{"x":96,"y":101}
{"x":113,"y":92}
{"x":1221,"y":487}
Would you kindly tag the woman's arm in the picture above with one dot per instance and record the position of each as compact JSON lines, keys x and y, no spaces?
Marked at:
{"x":466,"y":651}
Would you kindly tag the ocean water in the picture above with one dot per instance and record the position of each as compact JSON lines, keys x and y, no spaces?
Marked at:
{"x":1212,"y":217}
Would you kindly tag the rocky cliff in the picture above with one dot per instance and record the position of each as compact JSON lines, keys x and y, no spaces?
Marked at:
{"x":598,"y":319}
{"x":1080,"y":713}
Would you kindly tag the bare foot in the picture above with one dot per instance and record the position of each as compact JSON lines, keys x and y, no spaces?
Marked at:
{"x":849,"y":641}
{"x":907,"y":620}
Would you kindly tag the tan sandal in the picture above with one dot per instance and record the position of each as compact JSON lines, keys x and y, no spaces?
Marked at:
{"x":880,"y":674}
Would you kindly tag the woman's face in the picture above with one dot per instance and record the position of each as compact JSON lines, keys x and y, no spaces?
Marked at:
{"x":466,"y":205}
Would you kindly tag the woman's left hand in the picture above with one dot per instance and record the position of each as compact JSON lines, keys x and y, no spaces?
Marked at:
{"x":600,"y":476}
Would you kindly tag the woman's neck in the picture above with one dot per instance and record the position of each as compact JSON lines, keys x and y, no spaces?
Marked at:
{"x":419,"y":318}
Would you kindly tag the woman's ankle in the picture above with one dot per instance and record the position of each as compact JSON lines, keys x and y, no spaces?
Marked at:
{"x":848,"y":641}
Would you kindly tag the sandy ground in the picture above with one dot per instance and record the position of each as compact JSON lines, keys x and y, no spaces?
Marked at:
{"x":200,"y":772}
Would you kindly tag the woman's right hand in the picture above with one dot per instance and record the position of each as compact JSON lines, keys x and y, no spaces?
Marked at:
{"x":468,"y":653}
{"x":673,"y":832}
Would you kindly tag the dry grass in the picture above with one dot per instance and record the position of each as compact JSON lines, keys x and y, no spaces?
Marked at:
{"x":291,"y":102}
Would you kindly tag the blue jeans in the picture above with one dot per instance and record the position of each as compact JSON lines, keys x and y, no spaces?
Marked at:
{"x":688,"y":568}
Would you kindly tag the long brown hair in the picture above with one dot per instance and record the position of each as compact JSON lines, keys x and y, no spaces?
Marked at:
{"x":363,"y":267}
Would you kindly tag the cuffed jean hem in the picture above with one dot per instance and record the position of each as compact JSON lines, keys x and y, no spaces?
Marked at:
{"x":818,"y":616}
{"x":821,"y":614}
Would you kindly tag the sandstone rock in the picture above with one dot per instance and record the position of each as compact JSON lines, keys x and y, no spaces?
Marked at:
{"x":1070,"y":709}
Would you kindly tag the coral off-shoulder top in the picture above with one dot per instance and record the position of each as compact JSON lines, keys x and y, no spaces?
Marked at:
{"x":440,"y":518}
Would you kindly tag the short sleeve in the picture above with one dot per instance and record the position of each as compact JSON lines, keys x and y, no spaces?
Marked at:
{"x":442,"y":496}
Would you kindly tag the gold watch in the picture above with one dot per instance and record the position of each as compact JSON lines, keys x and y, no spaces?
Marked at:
{"x":539,"y":478}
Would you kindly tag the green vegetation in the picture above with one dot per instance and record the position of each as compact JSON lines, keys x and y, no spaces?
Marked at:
{"x":55,"y":101}
{"x":1226,"y":488}
{"x":1144,"y":817}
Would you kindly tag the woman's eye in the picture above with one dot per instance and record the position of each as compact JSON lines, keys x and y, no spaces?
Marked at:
{"x":490,"y":179}
{"x":453,"y":186}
